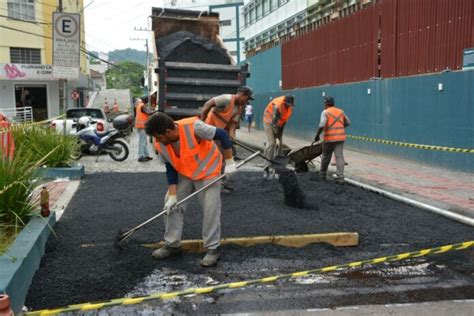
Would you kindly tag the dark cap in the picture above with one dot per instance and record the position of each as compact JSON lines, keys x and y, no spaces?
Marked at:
{"x":328,"y":100}
{"x":144,"y":98}
{"x":247,"y":91}
{"x":289,"y":99}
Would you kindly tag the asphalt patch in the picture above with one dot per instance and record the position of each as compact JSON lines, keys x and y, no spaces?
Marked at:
{"x":294,"y":196}
{"x":81,"y":264}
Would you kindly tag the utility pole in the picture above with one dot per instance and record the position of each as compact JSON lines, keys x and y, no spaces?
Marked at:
{"x":148,"y":72}
{"x":147,"y":66}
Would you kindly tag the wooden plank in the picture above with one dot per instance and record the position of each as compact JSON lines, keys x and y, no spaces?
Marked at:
{"x":341,"y":239}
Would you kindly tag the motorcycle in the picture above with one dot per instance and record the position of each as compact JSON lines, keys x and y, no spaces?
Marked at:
{"x":92,"y":142}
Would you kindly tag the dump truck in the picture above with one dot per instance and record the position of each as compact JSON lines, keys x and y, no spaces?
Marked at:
{"x":193,"y":63}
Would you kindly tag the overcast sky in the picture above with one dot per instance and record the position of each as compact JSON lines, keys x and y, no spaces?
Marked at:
{"x":110,"y":23}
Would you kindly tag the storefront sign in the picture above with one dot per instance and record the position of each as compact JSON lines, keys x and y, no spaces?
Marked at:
{"x":66,"y":45}
{"x":25,"y":72}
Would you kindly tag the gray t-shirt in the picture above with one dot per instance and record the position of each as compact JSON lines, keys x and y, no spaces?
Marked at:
{"x":201,"y":130}
{"x":222,"y":102}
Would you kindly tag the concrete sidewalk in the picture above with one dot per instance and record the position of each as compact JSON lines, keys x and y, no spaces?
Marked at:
{"x":443,"y":188}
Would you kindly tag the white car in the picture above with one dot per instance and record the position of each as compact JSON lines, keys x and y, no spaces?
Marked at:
{"x":73,"y":115}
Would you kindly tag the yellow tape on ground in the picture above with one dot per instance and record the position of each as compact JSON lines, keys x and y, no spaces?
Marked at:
{"x":242,"y":284}
{"x":411,"y":145}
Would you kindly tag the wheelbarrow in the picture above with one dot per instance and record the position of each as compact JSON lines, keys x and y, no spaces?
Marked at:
{"x":302,"y":156}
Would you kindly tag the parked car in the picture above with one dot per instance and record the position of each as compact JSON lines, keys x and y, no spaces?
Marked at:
{"x":74,"y":114}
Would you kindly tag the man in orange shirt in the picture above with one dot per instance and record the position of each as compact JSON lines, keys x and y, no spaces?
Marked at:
{"x":276,"y":115}
{"x":333,"y":122}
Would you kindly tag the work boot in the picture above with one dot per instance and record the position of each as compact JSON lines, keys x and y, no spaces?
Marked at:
{"x":142,"y":159}
{"x":210,"y":259}
{"x":266,"y":173}
{"x":340,"y":181}
{"x":149,"y":158}
{"x":166,"y":252}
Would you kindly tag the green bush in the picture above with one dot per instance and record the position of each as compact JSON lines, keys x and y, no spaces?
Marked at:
{"x":38,"y":142}
{"x":17,"y":182}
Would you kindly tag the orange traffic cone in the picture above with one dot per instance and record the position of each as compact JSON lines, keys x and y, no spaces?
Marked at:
{"x":106,"y":106}
{"x":115,"y":107}
{"x":5,"y":309}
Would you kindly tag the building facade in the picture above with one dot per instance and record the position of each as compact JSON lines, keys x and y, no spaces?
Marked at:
{"x":267,"y":23}
{"x":26,"y":57}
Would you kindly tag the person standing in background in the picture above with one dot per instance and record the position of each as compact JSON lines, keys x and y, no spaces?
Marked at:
{"x":249,"y":116}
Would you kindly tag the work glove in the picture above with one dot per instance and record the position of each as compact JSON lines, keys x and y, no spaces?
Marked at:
{"x":170,"y":204}
{"x":316,"y":138}
{"x":230,"y":167}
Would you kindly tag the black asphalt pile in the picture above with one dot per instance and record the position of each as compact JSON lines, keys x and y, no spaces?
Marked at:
{"x":188,"y":47}
{"x":81,"y":265}
{"x":294,"y":196}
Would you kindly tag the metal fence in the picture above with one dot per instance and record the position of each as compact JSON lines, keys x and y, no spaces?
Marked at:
{"x":19,"y":115}
{"x":390,"y":38}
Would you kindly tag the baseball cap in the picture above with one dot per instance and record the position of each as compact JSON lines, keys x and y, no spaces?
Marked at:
{"x":289,"y":99}
{"x":328,"y":100}
{"x":247,"y":91}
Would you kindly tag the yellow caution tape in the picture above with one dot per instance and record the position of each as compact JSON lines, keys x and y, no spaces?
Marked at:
{"x":234,"y":285}
{"x":25,"y":125}
{"x":411,"y":145}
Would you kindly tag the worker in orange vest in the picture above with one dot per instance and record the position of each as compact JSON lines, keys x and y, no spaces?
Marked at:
{"x":224,"y":112}
{"x":276,"y":115}
{"x":192,"y":161}
{"x":7,"y":143}
{"x":333,"y":122}
{"x":142,"y":113}
{"x":115,"y":107}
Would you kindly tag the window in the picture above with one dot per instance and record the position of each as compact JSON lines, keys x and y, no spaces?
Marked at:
{"x":21,"y":9}
{"x":274,"y":5}
{"x":282,"y":2}
{"x":25,"y":55}
{"x":258,"y":11}
{"x":266,"y":7}
{"x":225,"y":22}
{"x":252,"y":16}
{"x":246,"y":19}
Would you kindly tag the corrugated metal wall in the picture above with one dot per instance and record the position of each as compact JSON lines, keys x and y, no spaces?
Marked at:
{"x":342,"y":51}
{"x":407,"y":109}
{"x":390,"y":38}
{"x":423,"y":36}
{"x":265,"y":70}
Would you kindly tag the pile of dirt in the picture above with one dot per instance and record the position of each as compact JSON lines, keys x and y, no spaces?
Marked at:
{"x":81,"y":265}
{"x":184,"y":46}
{"x":294,"y":196}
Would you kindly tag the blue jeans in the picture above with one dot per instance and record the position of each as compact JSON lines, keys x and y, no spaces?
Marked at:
{"x":142,"y":143}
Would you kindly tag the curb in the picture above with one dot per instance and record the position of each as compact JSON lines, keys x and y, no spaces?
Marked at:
{"x":397,"y":197}
{"x":72,"y":173}
{"x":20,"y":262}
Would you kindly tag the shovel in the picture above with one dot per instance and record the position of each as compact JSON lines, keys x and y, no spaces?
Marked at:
{"x":279,"y":162}
{"x":122,"y":236}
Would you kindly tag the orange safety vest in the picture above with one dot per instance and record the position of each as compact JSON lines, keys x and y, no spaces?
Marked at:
{"x":198,"y":159}
{"x":7,"y":144}
{"x":222,"y":119}
{"x":279,"y":104}
{"x":140,"y":117}
{"x":334,"y":130}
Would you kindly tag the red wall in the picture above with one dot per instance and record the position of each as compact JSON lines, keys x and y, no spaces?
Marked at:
{"x":416,"y":37}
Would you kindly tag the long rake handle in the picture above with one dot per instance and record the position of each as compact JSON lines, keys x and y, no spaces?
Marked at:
{"x":131,"y":231}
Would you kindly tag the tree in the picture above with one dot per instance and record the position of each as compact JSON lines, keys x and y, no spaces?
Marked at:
{"x":126,"y":75}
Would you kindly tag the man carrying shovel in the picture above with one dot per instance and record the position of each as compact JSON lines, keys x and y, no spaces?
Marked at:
{"x":192,"y":161}
{"x":276,"y":114}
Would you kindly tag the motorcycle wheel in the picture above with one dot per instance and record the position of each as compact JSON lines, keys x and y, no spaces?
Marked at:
{"x":119,"y":150}
{"x":76,"y":152}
